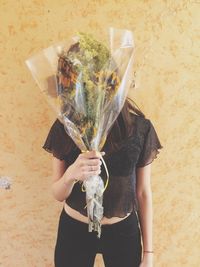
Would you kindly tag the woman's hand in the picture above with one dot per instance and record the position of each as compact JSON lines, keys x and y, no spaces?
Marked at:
{"x":87,"y":164}
{"x":147,"y":260}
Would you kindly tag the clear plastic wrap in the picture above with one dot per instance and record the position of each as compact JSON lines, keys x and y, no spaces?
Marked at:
{"x":86,"y":82}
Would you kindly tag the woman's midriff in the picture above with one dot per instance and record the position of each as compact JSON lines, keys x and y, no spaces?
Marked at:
{"x":80,"y":217}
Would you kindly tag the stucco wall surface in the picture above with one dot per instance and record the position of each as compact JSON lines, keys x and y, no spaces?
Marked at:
{"x":167,"y":90}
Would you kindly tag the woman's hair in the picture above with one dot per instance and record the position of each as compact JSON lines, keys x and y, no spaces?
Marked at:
{"x":123,"y":125}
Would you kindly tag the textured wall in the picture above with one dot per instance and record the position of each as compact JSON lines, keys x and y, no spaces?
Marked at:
{"x":167,"y":64}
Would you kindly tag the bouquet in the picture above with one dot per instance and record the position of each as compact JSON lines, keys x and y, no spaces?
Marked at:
{"x":86,"y":82}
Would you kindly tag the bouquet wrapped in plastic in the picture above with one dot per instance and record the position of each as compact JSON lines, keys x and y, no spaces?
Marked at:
{"x":86,"y":82}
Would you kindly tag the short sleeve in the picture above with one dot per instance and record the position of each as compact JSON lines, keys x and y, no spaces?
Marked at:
{"x":151,"y":146}
{"x":58,"y":142}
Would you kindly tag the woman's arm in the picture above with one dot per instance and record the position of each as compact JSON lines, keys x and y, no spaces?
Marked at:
{"x":62,"y":184}
{"x":145,"y":213}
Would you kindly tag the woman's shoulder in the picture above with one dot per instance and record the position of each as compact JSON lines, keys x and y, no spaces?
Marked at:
{"x":140,"y":121}
{"x":58,"y":128}
{"x":58,"y":133}
{"x":58,"y":123}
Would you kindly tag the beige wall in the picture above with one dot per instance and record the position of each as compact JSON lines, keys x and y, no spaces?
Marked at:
{"x":167,"y":67}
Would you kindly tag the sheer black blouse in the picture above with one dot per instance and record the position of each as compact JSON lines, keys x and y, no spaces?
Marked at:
{"x":138,"y":150}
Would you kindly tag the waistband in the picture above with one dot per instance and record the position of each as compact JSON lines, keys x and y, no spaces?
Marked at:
{"x":129,"y":218}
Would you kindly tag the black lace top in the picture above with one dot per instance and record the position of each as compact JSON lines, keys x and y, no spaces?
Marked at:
{"x":138,"y":150}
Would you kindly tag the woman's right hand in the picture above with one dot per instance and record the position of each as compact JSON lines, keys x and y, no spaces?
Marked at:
{"x":87,"y":164}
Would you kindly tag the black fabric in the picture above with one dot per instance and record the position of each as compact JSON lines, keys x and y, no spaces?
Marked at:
{"x":138,"y":150}
{"x":57,"y":143}
{"x":120,"y":243}
{"x":151,"y":144}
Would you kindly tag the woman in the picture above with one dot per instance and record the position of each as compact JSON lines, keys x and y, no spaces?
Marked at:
{"x":126,"y":239}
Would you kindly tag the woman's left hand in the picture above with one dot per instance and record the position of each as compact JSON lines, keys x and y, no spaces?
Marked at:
{"x":147,"y":260}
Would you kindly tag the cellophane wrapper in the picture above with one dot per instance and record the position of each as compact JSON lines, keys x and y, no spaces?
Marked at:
{"x":86,"y":82}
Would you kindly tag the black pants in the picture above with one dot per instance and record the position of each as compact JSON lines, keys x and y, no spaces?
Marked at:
{"x":120,"y":243}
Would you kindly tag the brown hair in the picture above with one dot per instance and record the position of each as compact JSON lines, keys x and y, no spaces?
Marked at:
{"x":123,"y":125}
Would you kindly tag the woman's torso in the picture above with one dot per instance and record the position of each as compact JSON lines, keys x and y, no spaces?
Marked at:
{"x":120,"y":199}
{"x":120,"y":196}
